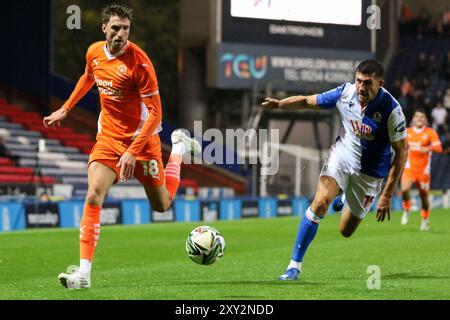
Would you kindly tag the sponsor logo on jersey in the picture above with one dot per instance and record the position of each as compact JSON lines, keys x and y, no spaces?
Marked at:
{"x":362,"y":130}
{"x":106,"y":87}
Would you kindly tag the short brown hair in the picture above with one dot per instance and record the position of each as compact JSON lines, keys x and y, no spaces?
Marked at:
{"x":118,"y":10}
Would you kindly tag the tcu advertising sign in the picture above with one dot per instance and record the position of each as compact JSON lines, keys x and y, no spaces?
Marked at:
{"x":240,"y":66}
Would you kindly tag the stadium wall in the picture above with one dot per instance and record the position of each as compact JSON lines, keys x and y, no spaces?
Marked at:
{"x":26,"y":61}
{"x":67,"y":214}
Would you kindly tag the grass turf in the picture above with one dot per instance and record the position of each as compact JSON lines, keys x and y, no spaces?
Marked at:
{"x":149,"y":261}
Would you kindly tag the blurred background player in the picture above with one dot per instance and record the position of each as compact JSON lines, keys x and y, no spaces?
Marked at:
{"x":422,"y":141}
{"x":127,"y":140}
{"x":359,"y":161}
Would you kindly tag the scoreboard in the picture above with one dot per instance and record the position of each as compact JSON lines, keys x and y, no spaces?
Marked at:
{"x":320,"y":11}
{"x":317,"y":23}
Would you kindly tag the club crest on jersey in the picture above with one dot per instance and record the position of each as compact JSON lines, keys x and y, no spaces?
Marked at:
{"x":362,"y":130}
{"x":122,"y":70}
{"x":377,"y":116}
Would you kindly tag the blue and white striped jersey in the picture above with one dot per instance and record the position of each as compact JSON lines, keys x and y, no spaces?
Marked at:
{"x":366,"y":136}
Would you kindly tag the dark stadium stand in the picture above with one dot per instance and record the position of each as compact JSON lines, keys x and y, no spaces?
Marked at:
{"x":428,"y":86}
{"x":65,"y":158}
{"x":439,"y":171}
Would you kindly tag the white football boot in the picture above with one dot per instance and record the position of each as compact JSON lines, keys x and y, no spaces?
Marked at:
{"x":424,"y":226}
{"x":405,"y":218}
{"x":191,"y":144}
{"x":74,"y":278}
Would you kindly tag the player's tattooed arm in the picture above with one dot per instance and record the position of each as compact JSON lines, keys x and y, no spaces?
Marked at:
{"x":291,"y":103}
{"x":398,"y":163}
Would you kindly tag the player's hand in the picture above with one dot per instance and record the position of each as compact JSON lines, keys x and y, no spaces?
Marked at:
{"x":271,"y":103}
{"x":384,"y":207}
{"x":54,"y":120}
{"x":127,"y":162}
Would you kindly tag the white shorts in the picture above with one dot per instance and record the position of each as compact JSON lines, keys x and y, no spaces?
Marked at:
{"x":360,"y":189}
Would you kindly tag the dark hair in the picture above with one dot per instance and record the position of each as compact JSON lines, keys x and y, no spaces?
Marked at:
{"x":116,"y":10}
{"x":369,"y":67}
{"x":421,"y":110}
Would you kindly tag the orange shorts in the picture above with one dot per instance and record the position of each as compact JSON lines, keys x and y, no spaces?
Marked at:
{"x":149,"y":168}
{"x":422,"y":180}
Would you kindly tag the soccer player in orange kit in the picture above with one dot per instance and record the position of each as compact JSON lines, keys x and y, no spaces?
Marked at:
{"x":422,"y":141}
{"x":127,"y":139}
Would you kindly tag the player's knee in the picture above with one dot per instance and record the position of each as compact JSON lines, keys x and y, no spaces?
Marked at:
{"x":321,"y":205}
{"x":94,"y":195}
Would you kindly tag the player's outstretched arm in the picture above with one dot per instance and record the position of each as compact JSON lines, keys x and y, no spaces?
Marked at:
{"x":291,"y":103}
{"x":398,"y":163}
{"x":84,"y":84}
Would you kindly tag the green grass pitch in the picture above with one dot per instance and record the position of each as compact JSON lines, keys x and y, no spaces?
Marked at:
{"x":149,"y":261}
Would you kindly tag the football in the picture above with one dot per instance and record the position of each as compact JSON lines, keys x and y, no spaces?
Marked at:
{"x":205,"y":245}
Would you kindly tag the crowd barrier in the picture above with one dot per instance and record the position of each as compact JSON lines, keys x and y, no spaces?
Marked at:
{"x":67,"y":214}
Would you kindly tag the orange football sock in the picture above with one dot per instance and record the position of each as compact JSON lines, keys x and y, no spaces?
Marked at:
{"x":425,"y":214}
{"x":406,"y":205}
{"x":172,"y":170}
{"x":89,"y":231}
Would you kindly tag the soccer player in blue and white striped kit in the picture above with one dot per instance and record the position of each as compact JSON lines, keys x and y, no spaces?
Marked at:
{"x":371,"y":148}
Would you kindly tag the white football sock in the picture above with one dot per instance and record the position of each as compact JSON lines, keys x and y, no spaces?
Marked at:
{"x":85,"y":266}
{"x":295,"y":264}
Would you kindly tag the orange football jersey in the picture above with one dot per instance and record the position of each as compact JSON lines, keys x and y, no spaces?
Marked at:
{"x":128,"y":90}
{"x":419,"y":161}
